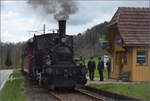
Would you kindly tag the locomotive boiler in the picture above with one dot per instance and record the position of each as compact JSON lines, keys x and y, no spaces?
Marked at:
{"x":50,"y":60}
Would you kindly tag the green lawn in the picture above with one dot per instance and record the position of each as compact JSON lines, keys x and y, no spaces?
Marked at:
{"x":96,"y":71}
{"x":139,"y":89}
{"x":15,"y":74}
{"x":13,"y":90}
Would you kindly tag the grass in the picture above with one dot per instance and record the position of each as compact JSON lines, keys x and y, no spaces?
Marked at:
{"x":86,"y":59}
{"x":139,"y":89}
{"x":15,"y":74}
{"x":13,"y":90}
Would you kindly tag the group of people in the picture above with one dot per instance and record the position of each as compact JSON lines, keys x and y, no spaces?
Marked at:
{"x":100,"y":68}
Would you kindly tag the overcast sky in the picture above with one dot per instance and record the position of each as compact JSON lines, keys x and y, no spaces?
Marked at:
{"x":18,"y":19}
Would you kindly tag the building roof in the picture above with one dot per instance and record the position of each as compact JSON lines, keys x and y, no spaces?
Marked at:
{"x":133,"y":25}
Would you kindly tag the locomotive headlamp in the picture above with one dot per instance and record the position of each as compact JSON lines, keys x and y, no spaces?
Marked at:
{"x":48,"y":60}
{"x":63,"y":40}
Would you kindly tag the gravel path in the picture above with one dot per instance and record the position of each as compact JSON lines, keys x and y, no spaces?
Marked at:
{"x":4,"y":74}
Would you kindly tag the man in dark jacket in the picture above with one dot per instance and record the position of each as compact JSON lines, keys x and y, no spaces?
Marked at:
{"x":108,"y":68}
{"x":91,"y":67}
{"x":100,"y":68}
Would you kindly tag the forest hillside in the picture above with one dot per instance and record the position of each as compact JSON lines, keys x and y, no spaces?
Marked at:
{"x":87,"y":43}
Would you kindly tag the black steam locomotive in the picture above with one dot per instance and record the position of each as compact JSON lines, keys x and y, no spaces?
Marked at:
{"x":50,"y":60}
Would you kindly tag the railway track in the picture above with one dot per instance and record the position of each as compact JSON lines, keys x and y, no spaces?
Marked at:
{"x":54,"y":95}
{"x":76,"y":95}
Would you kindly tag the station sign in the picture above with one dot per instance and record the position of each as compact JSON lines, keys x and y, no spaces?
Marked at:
{"x":103,"y":43}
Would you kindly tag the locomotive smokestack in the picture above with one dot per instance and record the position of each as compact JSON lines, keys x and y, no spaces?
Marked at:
{"x":62,"y":28}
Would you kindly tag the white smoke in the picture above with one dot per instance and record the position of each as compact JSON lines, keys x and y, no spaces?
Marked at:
{"x":61,"y":9}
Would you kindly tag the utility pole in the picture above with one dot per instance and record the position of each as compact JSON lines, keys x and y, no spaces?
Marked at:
{"x":0,"y":52}
{"x":44,"y":29}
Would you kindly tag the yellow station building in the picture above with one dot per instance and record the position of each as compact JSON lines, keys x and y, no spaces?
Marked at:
{"x":129,"y":40}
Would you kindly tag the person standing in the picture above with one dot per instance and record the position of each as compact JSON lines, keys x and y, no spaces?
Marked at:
{"x":108,"y":68}
{"x":91,"y":67}
{"x":100,"y":68}
{"x":81,"y":63}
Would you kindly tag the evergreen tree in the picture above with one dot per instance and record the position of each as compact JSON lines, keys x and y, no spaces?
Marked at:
{"x":8,"y":61}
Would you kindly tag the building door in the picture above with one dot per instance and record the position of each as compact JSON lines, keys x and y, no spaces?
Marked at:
{"x":120,"y":61}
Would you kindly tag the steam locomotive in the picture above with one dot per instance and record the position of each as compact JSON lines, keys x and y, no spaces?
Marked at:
{"x":49,"y":59}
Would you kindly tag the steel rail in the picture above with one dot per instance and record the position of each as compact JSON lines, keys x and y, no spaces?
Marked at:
{"x":54,"y":95}
{"x":90,"y":95}
{"x":51,"y":94}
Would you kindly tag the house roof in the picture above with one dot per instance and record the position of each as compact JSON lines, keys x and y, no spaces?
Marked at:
{"x":133,"y":25}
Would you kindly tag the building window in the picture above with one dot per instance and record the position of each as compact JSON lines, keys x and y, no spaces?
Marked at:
{"x":141,"y":57}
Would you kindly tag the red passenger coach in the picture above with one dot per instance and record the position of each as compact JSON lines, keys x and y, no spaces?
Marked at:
{"x":30,"y":56}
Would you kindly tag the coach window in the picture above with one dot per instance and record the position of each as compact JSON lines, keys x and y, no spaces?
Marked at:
{"x":141,"y":57}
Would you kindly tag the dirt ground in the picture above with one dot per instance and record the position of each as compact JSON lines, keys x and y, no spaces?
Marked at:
{"x":35,"y":93}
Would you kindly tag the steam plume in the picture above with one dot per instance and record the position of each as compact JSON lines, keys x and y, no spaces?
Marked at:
{"x":61,"y":9}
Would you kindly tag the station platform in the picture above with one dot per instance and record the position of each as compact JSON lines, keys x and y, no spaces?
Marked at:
{"x":96,"y":81}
